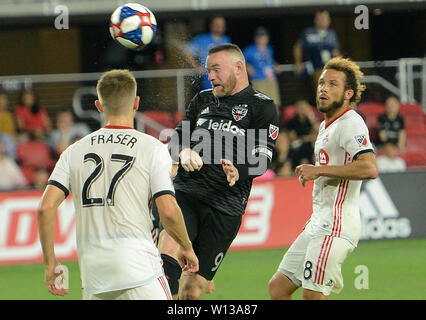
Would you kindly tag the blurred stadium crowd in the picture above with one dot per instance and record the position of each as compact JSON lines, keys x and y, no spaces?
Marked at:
{"x":31,"y":141}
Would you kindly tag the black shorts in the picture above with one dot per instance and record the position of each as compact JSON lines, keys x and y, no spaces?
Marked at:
{"x":210,"y":231}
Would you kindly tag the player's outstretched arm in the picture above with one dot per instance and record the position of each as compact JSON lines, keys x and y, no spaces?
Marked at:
{"x":51,"y":199}
{"x":172,"y":220}
{"x":364,"y":167}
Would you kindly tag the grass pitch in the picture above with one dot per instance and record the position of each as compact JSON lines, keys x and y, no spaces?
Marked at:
{"x":396,"y":271}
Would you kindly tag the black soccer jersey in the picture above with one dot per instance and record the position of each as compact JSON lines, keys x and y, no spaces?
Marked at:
{"x":242,"y":128}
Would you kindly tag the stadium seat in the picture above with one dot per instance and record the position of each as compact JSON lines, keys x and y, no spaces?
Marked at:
{"x":287,"y":113}
{"x":28,"y":173}
{"x":177,"y":117}
{"x":414,"y":159}
{"x":413,"y":115}
{"x":411,"y":108}
{"x":164,"y":118}
{"x":415,"y":130}
{"x":371,"y":108}
{"x":371,"y":112}
{"x":33,"y":155}
{"x":413,"y":120}
{"x":416,"y":143}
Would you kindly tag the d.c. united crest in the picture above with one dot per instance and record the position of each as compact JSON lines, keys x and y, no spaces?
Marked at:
{"x":239,"y":111}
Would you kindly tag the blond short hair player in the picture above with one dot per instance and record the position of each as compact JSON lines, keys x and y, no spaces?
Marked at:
{"x":344,"y":156}
{"x":113,"y":173}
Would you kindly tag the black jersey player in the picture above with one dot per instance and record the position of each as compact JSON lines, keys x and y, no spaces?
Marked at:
{"x":225,"y":139}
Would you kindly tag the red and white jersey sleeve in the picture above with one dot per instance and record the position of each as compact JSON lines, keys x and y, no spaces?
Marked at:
{"x":336,"y":201}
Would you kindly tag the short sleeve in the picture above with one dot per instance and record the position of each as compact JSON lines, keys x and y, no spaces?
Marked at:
{"x":161,"y":171}
{"x":354,"y":137}
{"x":60,"y":176}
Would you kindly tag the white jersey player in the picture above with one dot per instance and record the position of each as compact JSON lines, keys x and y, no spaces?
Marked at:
{"x":344,"y":157}
{"x":113,"y":173}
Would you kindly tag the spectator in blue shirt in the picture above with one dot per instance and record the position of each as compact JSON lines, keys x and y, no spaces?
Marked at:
{"x":199,"y":46}
{"x":319,"y":43}
{"x":261,"y":66}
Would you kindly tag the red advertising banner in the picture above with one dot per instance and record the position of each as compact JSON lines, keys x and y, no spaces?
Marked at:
{"x":19,"y":241}
{"x":276,"y":213}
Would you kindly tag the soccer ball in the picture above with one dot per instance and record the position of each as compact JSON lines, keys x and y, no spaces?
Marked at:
{"x":133,"y":26}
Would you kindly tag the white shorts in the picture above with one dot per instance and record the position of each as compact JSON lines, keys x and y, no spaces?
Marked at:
{"x":314,"y":262}
{"x":157,"y":289}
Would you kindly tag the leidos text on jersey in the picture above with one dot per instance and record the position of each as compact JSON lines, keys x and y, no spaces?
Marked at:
{"x":124,"y":139}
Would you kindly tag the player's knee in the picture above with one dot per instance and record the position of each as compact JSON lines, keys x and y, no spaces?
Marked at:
{"x":274,"y":289}
{"x":313,"y":295}
{"x":279,"y":289}
{"x":172,"y":271}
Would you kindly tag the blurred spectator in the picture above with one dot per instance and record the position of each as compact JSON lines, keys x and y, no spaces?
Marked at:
{"x":7,"y":123}
{"x":302,"y":130}
{"x":66,"y":132}
{"x":198,"y":47}
{"x":280,"y":161}
{"x":261,"y":66}
{"x":391,"y":124}
{"x":11,"y":175}
{"x":390,"y":161}
{"x":319,"y":44}
{"x":9,"y":145}
{"x":30,"y":116}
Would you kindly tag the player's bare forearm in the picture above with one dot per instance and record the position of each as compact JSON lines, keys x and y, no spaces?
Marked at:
{"x":364,"y":167}
{"x":46,"y":216}
{"x":172,"y":220}
{"x":46,"y":229}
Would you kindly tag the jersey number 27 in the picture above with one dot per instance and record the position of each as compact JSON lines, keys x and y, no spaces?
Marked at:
{"x":99,"y":168}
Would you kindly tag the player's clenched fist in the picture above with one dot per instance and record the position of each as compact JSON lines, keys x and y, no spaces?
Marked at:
{"x":306,"y":172}
{"x":190,"y":160}
{"x":188,"y":261}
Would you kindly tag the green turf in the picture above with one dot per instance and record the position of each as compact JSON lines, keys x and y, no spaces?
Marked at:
{"x":396,"y":270}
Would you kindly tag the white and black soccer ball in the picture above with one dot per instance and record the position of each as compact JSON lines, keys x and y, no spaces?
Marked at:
{"x":133,"y":26}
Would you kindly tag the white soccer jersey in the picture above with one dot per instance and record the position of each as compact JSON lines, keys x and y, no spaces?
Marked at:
{"x":336,"y":201}
{"x":112,"y":173}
